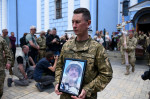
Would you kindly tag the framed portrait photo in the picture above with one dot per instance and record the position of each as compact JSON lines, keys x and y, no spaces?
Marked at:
{"x":72,"y":76}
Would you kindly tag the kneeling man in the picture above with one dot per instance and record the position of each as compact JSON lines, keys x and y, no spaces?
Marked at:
{"x":44,"y":73}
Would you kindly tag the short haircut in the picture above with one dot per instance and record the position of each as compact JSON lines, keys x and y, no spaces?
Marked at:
{"x":32,"y":27}
{"x":54,"y":28}
{"x":84,"y":11}
{"x":49,"y":54}
{"x":24,"y":46}
{"x":48,"y":30}
{"x":4,"y":30}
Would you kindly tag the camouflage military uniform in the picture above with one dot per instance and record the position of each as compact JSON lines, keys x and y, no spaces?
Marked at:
{"x":131,"y":45}
{"x":42,"y":43}
{"x":142,"y":40}
{"x":12,"y":64}
{"x":136,"y":34}
{"x":98,"y":70}
{"x":3,"y":48}
{"x":120,"y":46}
{"x":147,"y":43}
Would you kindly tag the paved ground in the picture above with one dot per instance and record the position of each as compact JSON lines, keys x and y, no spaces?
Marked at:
{"x":120,"y":87}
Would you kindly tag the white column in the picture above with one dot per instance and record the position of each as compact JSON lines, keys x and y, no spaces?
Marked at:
{"x":38,"y":15}
{"x":4,"y":14}
{"x":85,"y":4}
{"x":0,"y":16}
{"x":133,"y":2}
{"x":46,"y":15}
{"x":70,"y":13}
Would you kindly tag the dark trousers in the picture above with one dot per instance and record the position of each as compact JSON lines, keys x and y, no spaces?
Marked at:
{"x":46,"y":80}
{"x":14,"y":51}
{"x":33,"y":53}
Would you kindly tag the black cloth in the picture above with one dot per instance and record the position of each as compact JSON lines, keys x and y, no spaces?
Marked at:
{"x":42,"y":68}
{"x":62,"y":42}
{"x":20,"y":60}
{"x":114,"y":42}
{"x":52,"y":46}
{"x":46,"y":80}
{"x":23,"y":41}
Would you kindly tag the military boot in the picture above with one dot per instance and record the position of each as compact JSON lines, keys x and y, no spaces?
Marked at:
{"x":133,"y":68}
{"x":127,"y":70}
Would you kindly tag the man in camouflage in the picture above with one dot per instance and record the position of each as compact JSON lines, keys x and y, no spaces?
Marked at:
{"x":6,"y":38}
{"x":142,"y":39}
{"x":148,"y":47}
{"x":120,"y":46}
{"x":131,"y":45}
{"x":98,"y":69}
{"x":41,"y":41}
{"x":4,"y":54}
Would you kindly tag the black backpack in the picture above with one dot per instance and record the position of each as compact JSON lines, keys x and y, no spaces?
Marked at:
{"x":23,"y":41}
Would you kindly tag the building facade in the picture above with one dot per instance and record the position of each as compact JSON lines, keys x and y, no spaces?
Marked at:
{"x":138,"y":12}
{"x":18,"y":15}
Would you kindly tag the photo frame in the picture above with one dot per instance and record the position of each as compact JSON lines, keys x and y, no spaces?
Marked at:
{"x":72,"y":76}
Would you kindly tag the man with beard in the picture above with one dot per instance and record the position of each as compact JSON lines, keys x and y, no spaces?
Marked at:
{"x":70,"y":82}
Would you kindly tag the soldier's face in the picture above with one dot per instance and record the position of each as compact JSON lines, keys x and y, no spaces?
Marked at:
{"x":130,"y":35}
{"x":33,"y":30}
{"x":5,"y":33}
{"x":80,"y":25}
{"x":73,"y":73}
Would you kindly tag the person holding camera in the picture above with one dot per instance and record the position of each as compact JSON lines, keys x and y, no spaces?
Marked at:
{"x":44,"y":73}
{"x":53,"y":42}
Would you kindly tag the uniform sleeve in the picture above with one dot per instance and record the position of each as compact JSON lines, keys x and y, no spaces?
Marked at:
{"x":104,"y":73}
{"x":8,"y":55}
{"x":59,"y":67}
{"x":119,"y":43}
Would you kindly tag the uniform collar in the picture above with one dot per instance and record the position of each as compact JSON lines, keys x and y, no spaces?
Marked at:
{"x":84,"y":48}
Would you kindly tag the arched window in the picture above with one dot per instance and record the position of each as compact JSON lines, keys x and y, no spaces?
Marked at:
{"x":58,"y":9}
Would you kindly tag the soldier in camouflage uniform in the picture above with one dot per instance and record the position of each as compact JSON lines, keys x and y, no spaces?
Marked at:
{"x":120,"y":46}
{"x":6,"y":37}
{"x":41,"y":41}
{"x":131,"y":45}
{"x":142,"y":39}
{"x":98,"y":69}
{"x":4,"y":50}
{"x":147,"y":45}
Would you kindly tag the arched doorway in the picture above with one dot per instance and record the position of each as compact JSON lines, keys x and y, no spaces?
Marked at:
{"x":144,"y":23}
{"x":141,"y":20}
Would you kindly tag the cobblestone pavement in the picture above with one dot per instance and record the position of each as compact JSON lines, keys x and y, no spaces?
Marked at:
{"x":120,"y":87}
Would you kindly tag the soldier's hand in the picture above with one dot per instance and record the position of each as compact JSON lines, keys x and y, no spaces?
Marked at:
{"x":57,"y":91}
{"x":38,"y":47}
{"x":81,"y":96}
{"x":8,"y":66}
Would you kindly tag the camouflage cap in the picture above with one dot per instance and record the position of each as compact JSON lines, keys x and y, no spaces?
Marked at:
{"x":74,"y":64}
